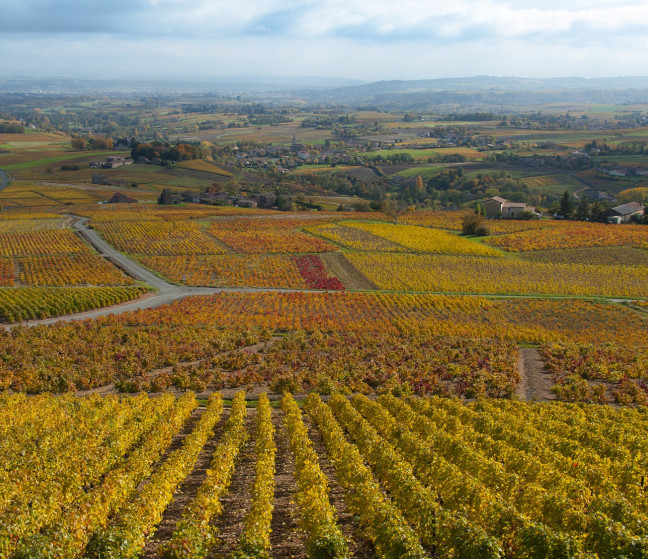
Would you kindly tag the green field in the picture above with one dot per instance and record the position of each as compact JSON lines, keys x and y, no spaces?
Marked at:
{"x":59,"y":158}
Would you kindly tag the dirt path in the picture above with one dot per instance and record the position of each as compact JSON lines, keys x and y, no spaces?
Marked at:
{"x":237,"y":500}
{"x":340,"y":267}
{"x":535,"y":381}
{"x":185,"y":494}
{"x":286,"y":540}
{"x":359,"y":546}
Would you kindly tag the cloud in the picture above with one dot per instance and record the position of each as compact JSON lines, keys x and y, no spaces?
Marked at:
{"x":377,"y":19}
{"x":375,"y":38}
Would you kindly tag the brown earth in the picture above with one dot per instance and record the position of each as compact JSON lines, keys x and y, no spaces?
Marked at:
{"x":286,"y":539}
{"x":237,"y":500}
{"x":359,"y":546}
{"x":341,"y":268}
{"x":535,"y":380}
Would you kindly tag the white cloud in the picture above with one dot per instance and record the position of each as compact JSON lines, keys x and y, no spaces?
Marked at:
{"x":372,"y":39}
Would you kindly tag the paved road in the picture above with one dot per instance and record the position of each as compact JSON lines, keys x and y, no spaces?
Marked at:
{"x":164,"y":293}
{"x":4,"y":180}
{"x":120,"y":260}
{"x":167,"y":292}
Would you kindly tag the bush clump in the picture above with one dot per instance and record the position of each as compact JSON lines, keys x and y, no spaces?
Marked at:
{"x":474,"y":224}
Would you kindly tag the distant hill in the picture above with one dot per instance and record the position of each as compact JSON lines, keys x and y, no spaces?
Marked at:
{"x":443,"y":94}
{"x":484,"y":90}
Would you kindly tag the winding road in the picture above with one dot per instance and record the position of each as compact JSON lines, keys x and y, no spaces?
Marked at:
{"x":4,"y":180}
{"x":164,"y":293}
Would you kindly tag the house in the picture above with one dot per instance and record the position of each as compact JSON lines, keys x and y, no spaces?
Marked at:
{"x":121,"y":198}
{"x":191,"y":197}
{"x":626,"y":212}
{"x":497,"y":207}
{"x":114,"y":162}
{"x":168,"y":198}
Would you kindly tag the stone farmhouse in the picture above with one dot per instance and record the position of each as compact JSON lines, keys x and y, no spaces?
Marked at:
{"x":626,"y":212}
{"x":497,"y":207}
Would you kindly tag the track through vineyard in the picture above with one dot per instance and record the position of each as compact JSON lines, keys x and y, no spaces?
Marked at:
{"x":186,"y":492}
{"x":358,"y":545}
{"x":236,"y":502}
{"x":535,"y":381}
{"x":285,"y":539}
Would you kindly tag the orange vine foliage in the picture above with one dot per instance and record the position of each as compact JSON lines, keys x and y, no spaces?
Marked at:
{"x":41,"y":243}
{"x":574,"y":235}
{"x":158,"y":237}
{"x":229,"y":270}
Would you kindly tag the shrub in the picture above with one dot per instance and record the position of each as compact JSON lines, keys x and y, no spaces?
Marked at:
{"x":474,"y":224}
{"x":482,"y":230}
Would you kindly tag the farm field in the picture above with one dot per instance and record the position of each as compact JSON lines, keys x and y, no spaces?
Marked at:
{"x":165,"y":475}
{"x":30,"y":303}
{"x":423,"y":154}
{"x":311,"y":382}
{"x":573,"y":236}
{"x":205,"y":166}
{"x":158,"y":237}
{"x":44,"y":252}
{"x":200,"y":342}
{"x":422,"y":240}
{"x":448,"y":274}
{"x":274,"y":271}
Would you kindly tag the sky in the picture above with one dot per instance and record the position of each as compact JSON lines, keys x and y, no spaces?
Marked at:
{"x":367,"y":40}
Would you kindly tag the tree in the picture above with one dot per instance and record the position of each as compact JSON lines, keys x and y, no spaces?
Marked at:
{"x":566,"y":205}
{"x":79,"y":144}
{"x":420,"y":188}
{"x":100,"y":142}
{"x":394,"y":208}
{"x":215,"y":188}
{"x":639,"y":194}
{"x":596,"y":210}
{"x":583,"y":210}
{"x":233,"y":188}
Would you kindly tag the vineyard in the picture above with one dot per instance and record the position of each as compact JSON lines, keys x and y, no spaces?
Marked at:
{"x":29,"y":303}
{"x":198,"y":248}
{"x":423,"y":240}
{"x":312,"y":383}
{"x":545,"y":180}
{"x":393,"y":477}
{"x":602,"y":373}
{"x":41,"y":243}
{"x":574,"y":235}
{"x":61,"y":270}
{"x":607,"y":256}
{"x":300,"y":342}
{"x":525,"y":320}
{"x":354,"y":238}
{"x":449,"y":274}
{"x":158,"y":237}
{"x":276,"y":238}
{"x":44,"y":252}
{"x":267,"y":270}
